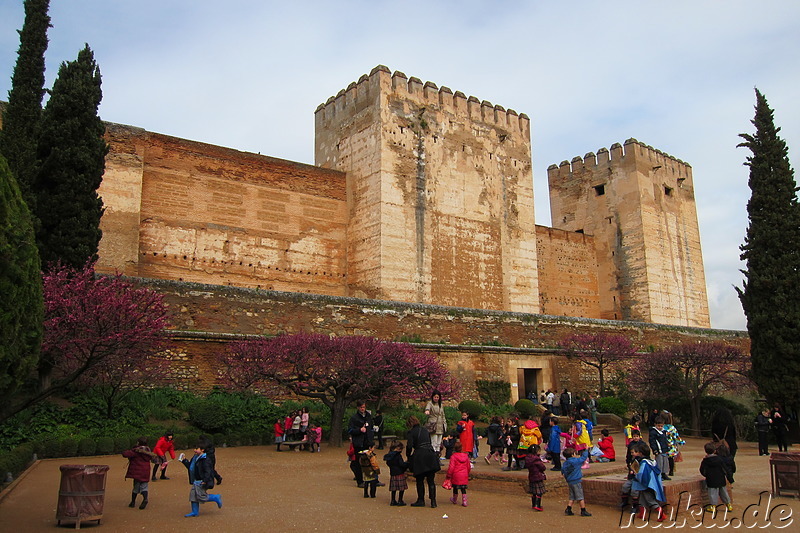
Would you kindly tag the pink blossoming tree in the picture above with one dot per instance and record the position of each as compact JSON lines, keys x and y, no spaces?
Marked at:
{"x":690,"y":370}
{"x":334,"y":370}
{"x":98,"y":330}
{"x":601,"y":351}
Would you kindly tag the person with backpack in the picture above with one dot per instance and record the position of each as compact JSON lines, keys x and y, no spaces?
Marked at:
{"x":529,"y":436}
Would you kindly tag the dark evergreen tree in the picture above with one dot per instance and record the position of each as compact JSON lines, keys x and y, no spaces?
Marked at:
{"x":772,"y":253}
{"x":21,"y":305}
{"x":22,"y":115}
{"x":72,"y":154}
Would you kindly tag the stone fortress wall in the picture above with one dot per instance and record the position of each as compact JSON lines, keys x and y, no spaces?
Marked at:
{"x":182,"y":210}
{"x":419,"y":194}
{"x":421,"y":198}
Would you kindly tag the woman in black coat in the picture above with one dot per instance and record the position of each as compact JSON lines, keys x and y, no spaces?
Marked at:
{"x":724,"y":428}
{"x":779,"y":427}
{"x":423,"y":460}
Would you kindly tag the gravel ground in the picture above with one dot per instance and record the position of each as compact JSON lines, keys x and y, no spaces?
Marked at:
{"x":298,"y":491}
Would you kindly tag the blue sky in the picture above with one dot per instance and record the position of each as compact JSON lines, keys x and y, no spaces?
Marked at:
{"x":248,"y":74}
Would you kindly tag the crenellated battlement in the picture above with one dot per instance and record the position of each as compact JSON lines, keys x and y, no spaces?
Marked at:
{"x":631,"y":152}
{"x":381,"y":79}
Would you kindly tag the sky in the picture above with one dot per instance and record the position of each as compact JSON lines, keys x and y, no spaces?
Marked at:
{"x":248,"y":74}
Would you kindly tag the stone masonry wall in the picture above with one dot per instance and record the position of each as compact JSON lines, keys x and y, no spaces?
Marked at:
{"x":567,"y":273}
{"x":182,"y":210}
{"x":209,"y":316}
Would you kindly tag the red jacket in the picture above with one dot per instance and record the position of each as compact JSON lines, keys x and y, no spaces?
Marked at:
{"x":458,"y":471}
{"x":164,"y":446}
{"x":606,"y":445}
{"x":278,"y":429}
{"x":138,"y":463}
{"x":465,"y":429}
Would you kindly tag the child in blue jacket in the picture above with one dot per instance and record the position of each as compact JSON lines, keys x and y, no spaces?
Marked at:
{"x":201,"y":478}
{"x":554,"y":444}
{"x":573,"y":475}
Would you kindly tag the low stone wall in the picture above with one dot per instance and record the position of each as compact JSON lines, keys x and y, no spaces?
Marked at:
{"x":474,"y":344}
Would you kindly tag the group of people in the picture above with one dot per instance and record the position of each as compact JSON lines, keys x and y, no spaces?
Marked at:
{"x":774,"y":420}
{"x":643,"y":490}
{"x":201,"y":467}
{"x":563,"y":404}
{"x":296,"y":427}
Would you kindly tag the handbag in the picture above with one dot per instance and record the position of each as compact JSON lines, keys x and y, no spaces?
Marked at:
{"x":447,"y":484}
{"x":679,"y":458}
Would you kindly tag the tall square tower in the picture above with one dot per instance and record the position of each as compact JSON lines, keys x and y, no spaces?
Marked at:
{"x":439,"y":193}
{"x":638,"y":203}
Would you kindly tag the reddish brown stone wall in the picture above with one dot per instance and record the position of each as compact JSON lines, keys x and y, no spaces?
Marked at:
{"x":183,"y":210}
{"x":217,"y":312}
{"x":567,"y":273}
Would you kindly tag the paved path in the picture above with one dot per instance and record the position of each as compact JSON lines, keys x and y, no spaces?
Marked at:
{"x":268,"y":491}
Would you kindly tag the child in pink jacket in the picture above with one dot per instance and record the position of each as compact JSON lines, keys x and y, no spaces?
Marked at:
{"x":458,"y":473}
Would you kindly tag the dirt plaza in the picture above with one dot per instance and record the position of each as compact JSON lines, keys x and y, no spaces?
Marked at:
{"x":264,"y":490}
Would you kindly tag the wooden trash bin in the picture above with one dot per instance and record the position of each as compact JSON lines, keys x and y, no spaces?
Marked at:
{"x":81,"y":494}
{"x":785,"y":473}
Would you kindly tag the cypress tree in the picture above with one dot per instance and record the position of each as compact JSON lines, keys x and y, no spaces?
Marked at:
{"x":22,"y":115}
{"x":21,"y":305}
{"x":772,"y":254}
{"x":72,"y":154}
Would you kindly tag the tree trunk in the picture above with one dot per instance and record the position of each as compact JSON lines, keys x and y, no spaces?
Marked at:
{"x":337,"y":421}
{"x":694,"y":403}
{"x":602,"y":383}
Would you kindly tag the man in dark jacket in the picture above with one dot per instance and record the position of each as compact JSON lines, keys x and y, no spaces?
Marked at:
{"x":566,"y":403}
{"x":361,"y":427}
{"x":361,"y":431}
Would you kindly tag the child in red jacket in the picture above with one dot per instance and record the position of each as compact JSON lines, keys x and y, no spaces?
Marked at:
{"x":139,"y":458}
{"x":458,"y":473}
{"x":606,"y":445}
{"x":164,"y":446}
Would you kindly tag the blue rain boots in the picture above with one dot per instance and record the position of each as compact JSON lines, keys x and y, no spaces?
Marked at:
{"x":216,"y":498}
{"x":195,"y":510}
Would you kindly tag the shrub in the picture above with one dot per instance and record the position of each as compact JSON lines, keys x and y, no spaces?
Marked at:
{"x":68,"y":447}
{"x":219,"y":439}
{"x":87,"y":446}
{"x":121,"y":444}
{"x":105,"y":446}
{"x":191,"y":440}
{"x":254,"y":438}
{"x":15,"y":460}
{"x":526,"y":407}
{"x":472,"y":407}
{"x":208,"y":416}
{"x":611,"y":404}
{"x":181,"y":441}
{"x":51,"y":448}
{"x":493,"y":392}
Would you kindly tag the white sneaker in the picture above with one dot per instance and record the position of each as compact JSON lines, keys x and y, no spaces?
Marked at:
{"x":181,"y":457}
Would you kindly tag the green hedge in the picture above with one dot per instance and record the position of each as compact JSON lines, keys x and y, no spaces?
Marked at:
{"x":611,"y":404}
{"x":15,"y":461}
{"x":493,"y":392}
{"x":472,"y":407}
